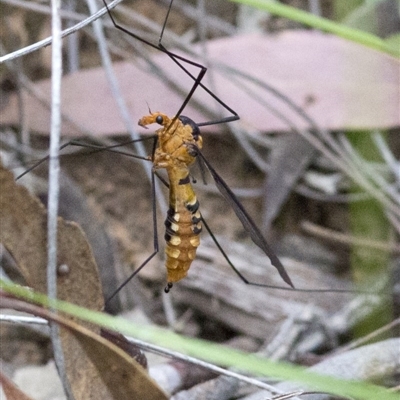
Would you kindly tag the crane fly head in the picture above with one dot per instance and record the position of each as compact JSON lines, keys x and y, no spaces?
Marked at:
{"x":167,"y":122}
{"x":155,"y":118}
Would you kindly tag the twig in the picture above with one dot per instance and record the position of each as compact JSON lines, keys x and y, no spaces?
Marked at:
{"x":54,"y":170}
{"x":366,"y":338}
{"x":349,"y":240}
{"x":73,"y":42}
{"x":216,"y":24}
{"x":387,"y":155}
{"x":45,"y":42}
{"x":23,"y":319}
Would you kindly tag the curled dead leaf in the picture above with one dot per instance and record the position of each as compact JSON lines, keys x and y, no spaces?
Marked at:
{"x":93,"y":365}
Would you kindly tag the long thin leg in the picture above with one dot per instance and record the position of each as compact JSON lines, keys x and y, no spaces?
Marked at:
{"x":155,"y":241}
{"x":247,"y":282}
{"x":239,"y":274}
{"x":197,"y":80}
{"x":95,"y":148}
{"x":165,"y":23}
{"x":175,"y":58}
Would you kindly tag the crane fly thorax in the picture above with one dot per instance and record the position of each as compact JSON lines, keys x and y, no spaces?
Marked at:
{"x":176,"y":140}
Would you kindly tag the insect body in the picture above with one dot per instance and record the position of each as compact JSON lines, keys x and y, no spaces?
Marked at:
{"x":178,"y":141}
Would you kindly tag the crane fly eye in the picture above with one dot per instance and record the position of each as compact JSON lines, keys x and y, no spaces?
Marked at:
{"x":159,"y":119}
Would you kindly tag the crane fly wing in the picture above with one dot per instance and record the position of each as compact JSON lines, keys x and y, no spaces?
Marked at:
{"x":202,"y":168}
{"x":246,"y":221}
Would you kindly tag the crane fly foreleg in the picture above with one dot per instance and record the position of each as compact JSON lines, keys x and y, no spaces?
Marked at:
{"x":155,"y":242}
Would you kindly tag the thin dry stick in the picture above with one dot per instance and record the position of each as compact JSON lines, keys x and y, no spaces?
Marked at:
{"x":369,"y":170}
{"x":43,"y":9}
{"x":387,"y":155}
{"x":45,"y":42}
{"x":349,"y":240}
{"x":367,"y":338}
{"x":315,"y":7}
{"x":54,"y":169}
{"x":73,"y":41}
{"x":215,"y":23}
{"x":203,"y":364}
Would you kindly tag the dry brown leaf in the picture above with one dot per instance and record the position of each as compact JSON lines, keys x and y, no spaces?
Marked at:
{"x":124,"y":344}
{"x":23,"y":232}
{"x":122,"y":378}
{"x":340,"y":84}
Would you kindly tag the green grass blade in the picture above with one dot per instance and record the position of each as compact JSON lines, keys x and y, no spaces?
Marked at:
{"x":210,"y":352}
{"x":355,"y":35}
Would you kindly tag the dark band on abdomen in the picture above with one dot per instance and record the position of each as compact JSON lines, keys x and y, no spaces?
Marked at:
{"x":193,"y":207}
{"x":195,"y":220}
{"x":169,"y":232}
{"x":184,"y":181}
{"x":197,"y":230}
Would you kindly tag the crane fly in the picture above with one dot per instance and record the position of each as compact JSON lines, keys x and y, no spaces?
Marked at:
{"x":177,"y":145}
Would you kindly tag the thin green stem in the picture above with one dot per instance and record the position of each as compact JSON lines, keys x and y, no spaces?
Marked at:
{"x":355,"y":35}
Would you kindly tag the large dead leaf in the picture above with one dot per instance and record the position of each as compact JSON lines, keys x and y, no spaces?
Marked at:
{"x":341,"y":85}
{"x":87,"y":357}
{"x":23,"y":221}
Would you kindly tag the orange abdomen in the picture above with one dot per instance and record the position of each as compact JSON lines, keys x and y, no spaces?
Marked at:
{"x":183,"y":227}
